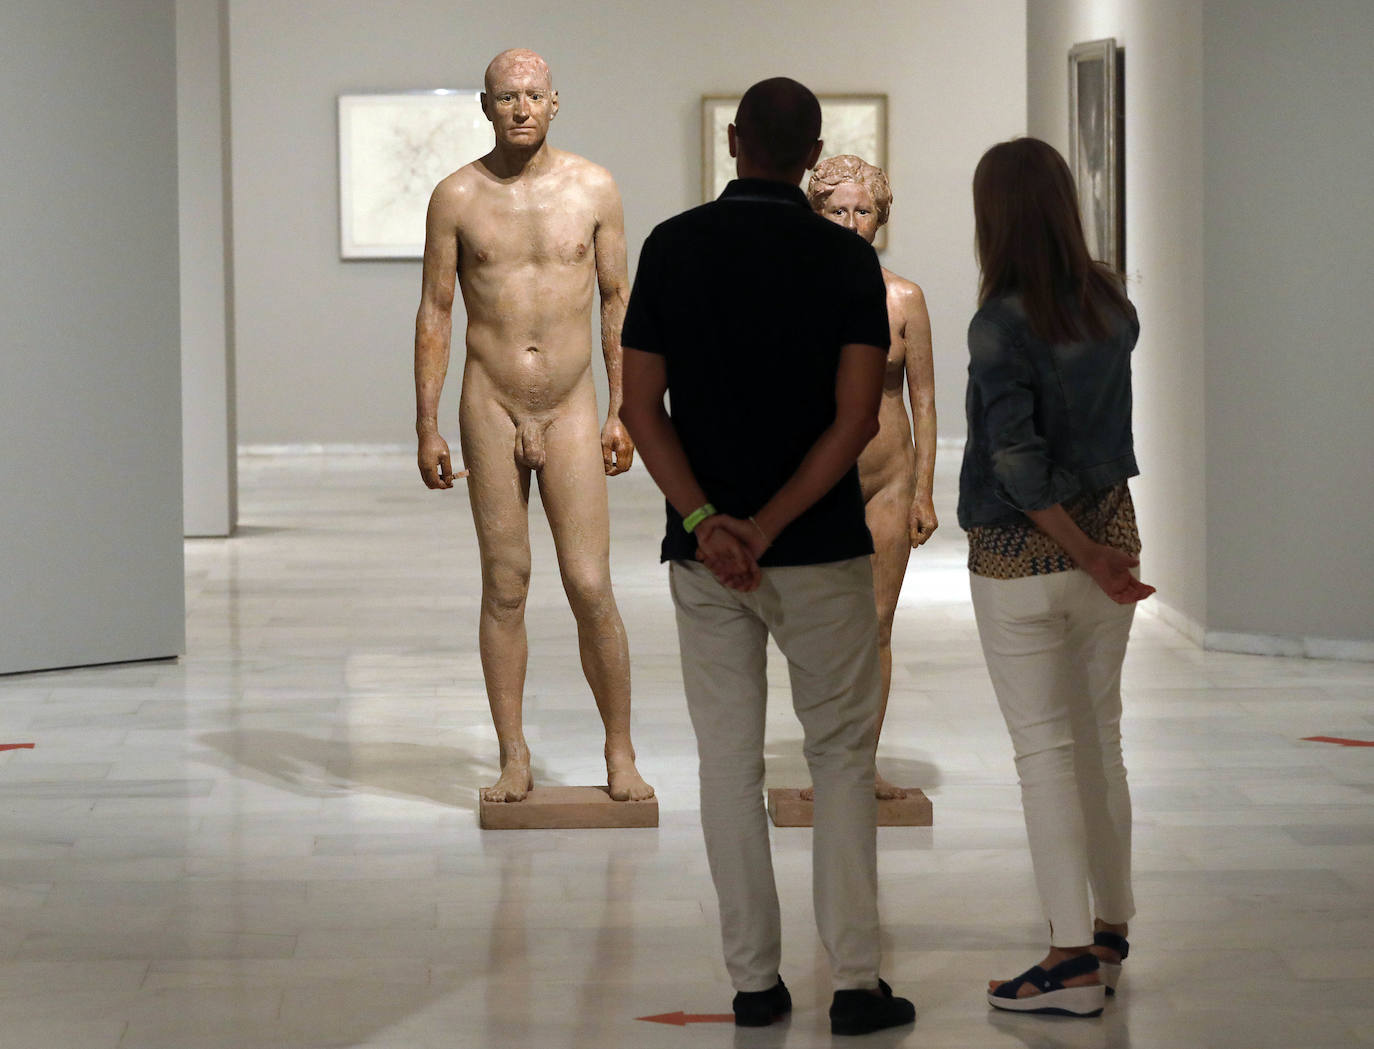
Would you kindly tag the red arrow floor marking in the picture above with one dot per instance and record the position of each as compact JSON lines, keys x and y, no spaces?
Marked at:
{"x":681,"y":1019}
{"x":1339,"y":742}
{"x":16,"y":746}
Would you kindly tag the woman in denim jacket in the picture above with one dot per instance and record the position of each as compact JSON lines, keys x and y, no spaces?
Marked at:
{"x":1052,"y":545}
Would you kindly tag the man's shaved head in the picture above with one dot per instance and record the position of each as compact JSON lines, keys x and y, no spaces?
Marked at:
{"x":777,"y":123}
{"x":516,"y":60}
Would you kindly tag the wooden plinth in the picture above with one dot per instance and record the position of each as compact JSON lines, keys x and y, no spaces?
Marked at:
{"x":786,"y":808}
{"x":559,"y":808}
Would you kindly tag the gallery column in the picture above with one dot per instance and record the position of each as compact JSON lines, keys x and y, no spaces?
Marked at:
{"x":90,"y":414}
{"x":207,"y":343}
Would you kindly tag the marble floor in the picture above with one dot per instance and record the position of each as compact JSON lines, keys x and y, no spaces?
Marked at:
{"x":272,"y":842}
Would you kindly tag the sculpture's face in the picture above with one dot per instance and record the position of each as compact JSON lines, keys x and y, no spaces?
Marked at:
{"x":850,"y":205}
{"x":520,"y":102}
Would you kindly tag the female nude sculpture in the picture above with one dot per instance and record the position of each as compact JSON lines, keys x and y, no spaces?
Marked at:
{"x":528,"y":233}
{"x":895,"y":474}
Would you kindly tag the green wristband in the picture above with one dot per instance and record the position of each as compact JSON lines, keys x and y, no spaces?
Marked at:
{"x":698,"y":515}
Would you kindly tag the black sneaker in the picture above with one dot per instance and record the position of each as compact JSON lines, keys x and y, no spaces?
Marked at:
{"x":861,"y":1012}
{"x":761,"y":1008}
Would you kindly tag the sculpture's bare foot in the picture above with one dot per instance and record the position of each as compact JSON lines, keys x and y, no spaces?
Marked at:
{"x":884,"y":790}
{"x":514,"y":782}
{"x":624,"y":781}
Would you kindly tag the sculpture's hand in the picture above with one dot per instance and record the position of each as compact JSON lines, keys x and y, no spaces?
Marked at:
{"x":617,"y":449}
{"x":923,"y":521}
{"x":1111,"y":570}
{"x":436,"y":467}
{"x":729,"y":560}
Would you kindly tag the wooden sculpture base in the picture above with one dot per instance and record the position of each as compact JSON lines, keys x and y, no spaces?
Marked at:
{"x":559,"y":808}
{"x":787,"y":809}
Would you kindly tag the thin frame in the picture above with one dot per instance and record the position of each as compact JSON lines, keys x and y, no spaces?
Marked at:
{"x":717,"y":111}
{"x":1094,"y":148}
{"x":394,"y":148}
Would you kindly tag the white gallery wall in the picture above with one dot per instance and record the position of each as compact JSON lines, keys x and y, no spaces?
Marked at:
{"x":1289,"y":128}
{"x":324,"y":346}
{"x":1162,"y":43}
{"x":1249,"y":158}
{"x":90,"y":471}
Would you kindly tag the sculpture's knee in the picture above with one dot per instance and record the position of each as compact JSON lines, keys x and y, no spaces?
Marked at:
{"x":589,"y":595}
{"x":503,"y":593}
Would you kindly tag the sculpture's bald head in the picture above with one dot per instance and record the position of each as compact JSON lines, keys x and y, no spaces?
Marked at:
{"x":517,"y":61}
{"x":519,"y":99}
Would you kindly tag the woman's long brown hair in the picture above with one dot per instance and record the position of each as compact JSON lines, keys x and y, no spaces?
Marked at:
{"x":1030,"y":242}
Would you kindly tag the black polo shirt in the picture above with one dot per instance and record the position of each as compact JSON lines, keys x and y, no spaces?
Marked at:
{"x":750,"y":298}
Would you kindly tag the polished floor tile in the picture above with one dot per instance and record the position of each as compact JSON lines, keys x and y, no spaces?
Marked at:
{"x":272,"y":843}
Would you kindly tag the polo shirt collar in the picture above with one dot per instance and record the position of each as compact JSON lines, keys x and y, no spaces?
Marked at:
{"x":766,"y":190}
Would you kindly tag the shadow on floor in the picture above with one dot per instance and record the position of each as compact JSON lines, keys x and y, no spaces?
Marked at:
{"x":787,"y":767}
{"x":327,"y":768}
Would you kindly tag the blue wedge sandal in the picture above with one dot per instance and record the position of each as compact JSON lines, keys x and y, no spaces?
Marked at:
{"x":1110,"y":972}
{"x":1054,"y":998}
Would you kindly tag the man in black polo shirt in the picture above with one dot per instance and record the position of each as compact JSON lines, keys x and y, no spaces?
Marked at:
{"x":767,"y":327}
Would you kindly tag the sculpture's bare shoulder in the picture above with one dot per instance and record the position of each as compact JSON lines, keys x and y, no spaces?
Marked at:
{"x":907,"y":292}
{"x":905,"y":303}
{"x":588,"y":178}
{"x":584,"y":170}
{"x":458,"y":189}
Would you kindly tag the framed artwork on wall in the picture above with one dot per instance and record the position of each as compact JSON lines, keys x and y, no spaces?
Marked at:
{"x":849,"y":124}
{"x":1096,"y":140}
{"x":393,"y":150}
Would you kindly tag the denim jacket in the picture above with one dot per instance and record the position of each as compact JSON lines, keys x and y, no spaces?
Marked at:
{"x":1045,"y":421}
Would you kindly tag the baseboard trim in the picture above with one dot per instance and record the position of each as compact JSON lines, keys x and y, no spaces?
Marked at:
{"x":1285,"y":645}
{"x":1258,"y":644}
{"x":323,"y":449}
{"x":1180,"y":621}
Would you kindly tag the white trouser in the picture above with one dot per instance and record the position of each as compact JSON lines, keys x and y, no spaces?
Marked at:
{"x":1054,"y":645}
{"x":823,"y":620}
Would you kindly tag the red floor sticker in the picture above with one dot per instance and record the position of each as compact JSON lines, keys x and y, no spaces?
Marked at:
{"x":681,"y":1019}
{"x":1339,"y":742}
{"x":16,"y":746}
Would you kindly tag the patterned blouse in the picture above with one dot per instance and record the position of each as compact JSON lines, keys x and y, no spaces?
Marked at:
{"x":1019,"y":549}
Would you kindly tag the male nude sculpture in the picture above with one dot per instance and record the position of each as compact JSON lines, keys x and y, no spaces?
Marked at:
{"x":895,"y":475}
{"x":527,"y":232}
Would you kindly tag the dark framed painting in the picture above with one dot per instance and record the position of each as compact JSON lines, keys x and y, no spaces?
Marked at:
{"x":1096,"y":141}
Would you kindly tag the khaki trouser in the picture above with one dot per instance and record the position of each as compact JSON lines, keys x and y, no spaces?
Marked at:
{"x":1054,"y":645}
{"x":823,"y":620}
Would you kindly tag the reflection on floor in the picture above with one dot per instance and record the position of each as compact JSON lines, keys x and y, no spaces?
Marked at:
{"x":272,"y":842}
